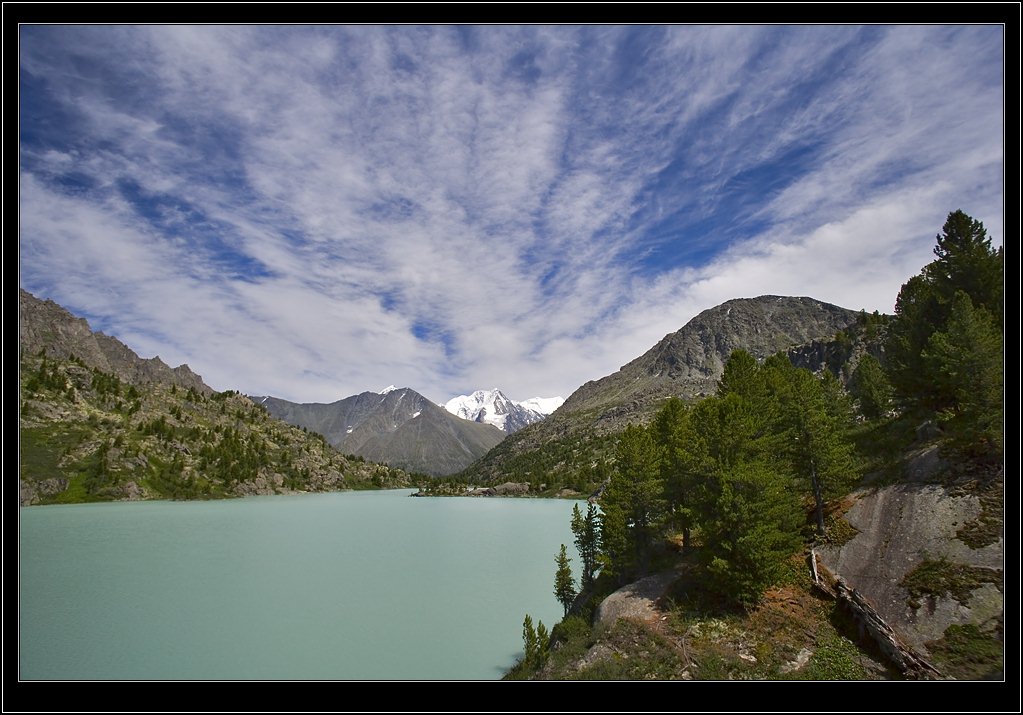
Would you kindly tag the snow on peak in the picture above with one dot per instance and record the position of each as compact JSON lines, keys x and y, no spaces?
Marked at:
{"x":389,"y":388}
{"x":543,"y":405}
{"x":494,"y":407}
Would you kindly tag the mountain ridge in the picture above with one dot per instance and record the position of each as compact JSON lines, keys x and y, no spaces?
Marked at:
{"x":98,"y":423}
{"x":573,"y":442}
{"x":46,"y":325}
{"x":399,"y":427}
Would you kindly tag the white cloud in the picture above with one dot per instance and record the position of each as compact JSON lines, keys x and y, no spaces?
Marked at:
{"x":376,"y":181}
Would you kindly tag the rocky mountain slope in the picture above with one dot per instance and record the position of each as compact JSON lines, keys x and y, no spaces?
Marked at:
{"x":493,"y":407}
{"x":568,"y":448}
{"x":399,"y":427}
{"x":44,"y":325}
{"x":97,"y":422}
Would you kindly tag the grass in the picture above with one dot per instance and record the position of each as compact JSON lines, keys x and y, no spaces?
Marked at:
{"x":967,"y":652}
{"x":839,"y":531}
{"x":634,"y":652}
{"x":937,"y":578}
{"x":987,"y":528}
{"x":836,"y":658}
{"x":701,"y":636}
{"x":43,"y":447}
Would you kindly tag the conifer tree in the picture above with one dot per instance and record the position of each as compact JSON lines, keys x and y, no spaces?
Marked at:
{"x":564,"y":584}
{"x":751,"y":530}
{"x":814,"y":418}
{"x":632,"y":503}
{"x":587,"y":541}
{"x":870,"y":386}
{"x":965,"y":262}
{"x":674,"y":434}
{"x":966,"y":358}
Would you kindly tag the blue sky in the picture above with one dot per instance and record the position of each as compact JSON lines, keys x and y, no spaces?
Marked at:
{"x":315,"y":211}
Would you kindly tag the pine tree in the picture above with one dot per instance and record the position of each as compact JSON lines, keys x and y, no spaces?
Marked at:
{"x":966,"y":359}
{"x":587,"y":542}
{"x":742,"y":500}
{"x":751,"y":530}
{"x":633,"y":502}
{"x":814,"y":417}
{"x":674,"y":434}
{"x":870,"y":386}
{"x":741,"y":376}
{"x":529,"y":640}
{"x":965,"y":262}
{"x":536,"y":642}
{"x":564,"y":584}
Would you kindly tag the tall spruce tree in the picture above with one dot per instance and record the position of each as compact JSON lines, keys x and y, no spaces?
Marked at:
{"x":870,"y":386}
{"x":681,"y":479}
{"x":814,"y":418}
{"x":564,"y":584}
{"x":632,"y":504}
{"x":743,"y":502}
{"x":586,"y":530}
{"x":751,"y":530}
{"x":965,"y":261}
{"x":966,"y":358}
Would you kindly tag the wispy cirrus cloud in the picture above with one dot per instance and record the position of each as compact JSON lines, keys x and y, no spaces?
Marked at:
{"x":312,"y":212}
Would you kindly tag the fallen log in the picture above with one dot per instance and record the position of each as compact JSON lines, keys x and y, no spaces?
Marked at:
{"x":871,"y":625}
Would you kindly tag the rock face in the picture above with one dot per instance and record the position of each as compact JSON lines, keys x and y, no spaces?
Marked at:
{"x":900,"y":527}
{"x":44,"y":325}
{"x":399,"y":427}
{"x":635,"y":600}
{"x":689,"y":362}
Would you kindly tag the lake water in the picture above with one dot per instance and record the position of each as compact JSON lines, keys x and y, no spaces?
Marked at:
{"x":351,"y":585}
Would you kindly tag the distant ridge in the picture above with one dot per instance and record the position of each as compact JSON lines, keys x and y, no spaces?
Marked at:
{"x":398,"y":427}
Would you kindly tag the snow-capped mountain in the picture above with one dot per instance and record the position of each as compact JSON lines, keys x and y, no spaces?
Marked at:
{"x":493,"y":407}
{"x":397,"y":426}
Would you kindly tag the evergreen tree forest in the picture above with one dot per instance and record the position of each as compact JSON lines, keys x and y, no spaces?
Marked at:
{"x":742,"y":478}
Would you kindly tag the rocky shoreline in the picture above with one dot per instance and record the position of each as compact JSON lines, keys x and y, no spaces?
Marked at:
{"x":507,"y":489}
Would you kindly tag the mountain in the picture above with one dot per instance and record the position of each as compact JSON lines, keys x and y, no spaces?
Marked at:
{"x":47,"y":326}
{"x":399,"y":427}
{"x":570,"y":447}
{"x":493,"y":407}
{"x":98,"y":422}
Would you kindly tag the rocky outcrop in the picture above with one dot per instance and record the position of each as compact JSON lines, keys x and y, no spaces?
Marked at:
{"x":511,"y":489}
{"x":501,"y":490}
{"x":31,"y":492}
{"x":900,"y":527}
{"x":44,"y":325}
{"x":636,"y":600}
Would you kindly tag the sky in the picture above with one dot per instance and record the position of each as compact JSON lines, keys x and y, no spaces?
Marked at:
{"x":312,"y":212}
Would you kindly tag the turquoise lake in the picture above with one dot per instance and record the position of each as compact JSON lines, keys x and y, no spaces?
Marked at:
{"x":341,"y":586}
